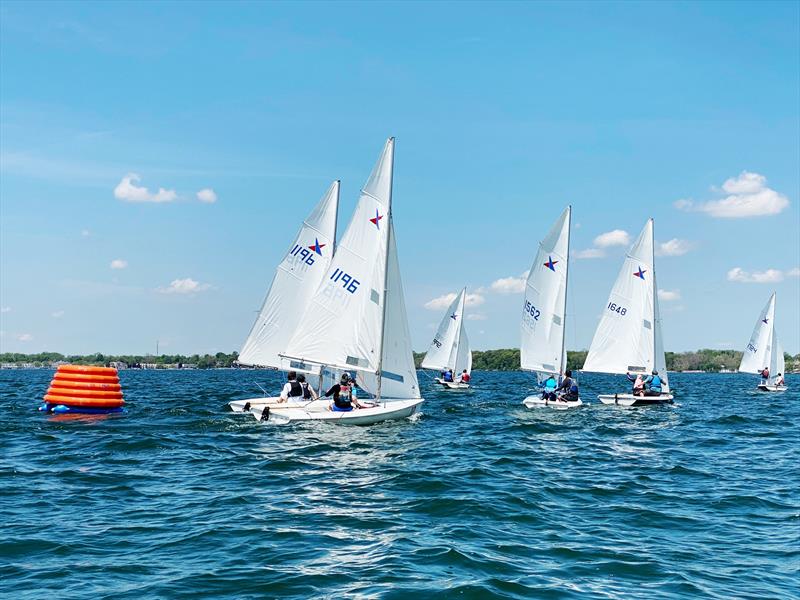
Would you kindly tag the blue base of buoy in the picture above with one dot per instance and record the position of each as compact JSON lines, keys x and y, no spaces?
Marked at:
{"x":61,"y":409}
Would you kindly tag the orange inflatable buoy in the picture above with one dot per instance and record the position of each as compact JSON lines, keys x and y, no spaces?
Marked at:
{"x":79,"y":388}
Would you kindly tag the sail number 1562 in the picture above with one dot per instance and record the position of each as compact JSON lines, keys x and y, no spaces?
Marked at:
{"x":613,"y":307}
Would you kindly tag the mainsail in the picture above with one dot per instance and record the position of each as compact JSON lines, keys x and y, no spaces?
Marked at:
{"x":758,"y":353}
{"x":356,"y":320}
{"x":544,"y":306}
{"x":296,"y":279}
{"x":450,"y":346}
{"x":628,"y":337}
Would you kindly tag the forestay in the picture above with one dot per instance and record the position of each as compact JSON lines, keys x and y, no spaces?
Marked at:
{"x":544,"y":305}
{"x":758,"y":353}
{"x":295,"y":281}
{"x":628,"y":337}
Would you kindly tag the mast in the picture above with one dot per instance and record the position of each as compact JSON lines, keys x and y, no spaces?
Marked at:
{"x":333,"y":252}
{"x":385,"y":274}
{"x":656,"y":313}
{"x":566,"y":289}
{"x":458,"y":331}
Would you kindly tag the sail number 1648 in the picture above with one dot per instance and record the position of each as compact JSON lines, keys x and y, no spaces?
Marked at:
{"x":613,"y":307}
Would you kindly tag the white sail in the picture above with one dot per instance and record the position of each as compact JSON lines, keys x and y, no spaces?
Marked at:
{"x":442,"y":353}
{"x":777,"y":363}
{"x":625,"y":339}
{"x":342,"y":325}
{"x":398,"y":373}
{"x":660,"y":358}
{"x":463,"y":358}
{"x":758,"y":353}
{"x":294,"y":283}
{"x":544,"y":305}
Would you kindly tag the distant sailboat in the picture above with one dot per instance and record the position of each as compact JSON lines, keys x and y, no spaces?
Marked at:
{"x":356,"y":320}
{"x":764,"y":350}
{"x":450,"y":347}
{"x":296,"y":279}
{"x":544,"y":311}
{"x":628,"y":338}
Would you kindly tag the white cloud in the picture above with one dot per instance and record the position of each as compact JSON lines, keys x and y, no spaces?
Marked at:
{"x":476,"y":317}
{"x":617,"y":237}
{"x":509,"y":285}
{"x":207,"y":195}
{"x":128,"y":191}
{"x":118,"y":263}
{"x":184,"y":286}
{"x":85,"y":233}
{"x":589,"y":253}
{"x":748,"y":196}
{"x":673,"y":247}
{"x":742,"y":276}
{"x":793,"y":272}
{"x":57,"y":314}
{"x":669,"y":295}
{"x":444,"y":301}
{"x":25,"y":337}
{"x":5,"y":309}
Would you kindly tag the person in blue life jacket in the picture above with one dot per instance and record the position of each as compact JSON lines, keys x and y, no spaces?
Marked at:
{"x":568,"y":388}
{"x":448,"y":375}
{"x":344,"y":396}
{"x":652,"y":384}
{"x":549,"y":388}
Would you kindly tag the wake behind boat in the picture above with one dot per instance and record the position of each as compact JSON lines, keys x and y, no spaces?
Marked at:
{"x":764,"y":354}
{"x":543,"y":347}
{"x":628,"y":339}
{"x":449,"y":352}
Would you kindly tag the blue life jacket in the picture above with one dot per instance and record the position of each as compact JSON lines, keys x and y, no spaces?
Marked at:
{"x":550,"y":384}
{"x":448,"y":376}
{"x":655,"y":383}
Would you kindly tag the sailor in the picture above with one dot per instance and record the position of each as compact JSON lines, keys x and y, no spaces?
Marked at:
{"x":308,"y":391}
{"x":765,"y":373}
{"x":292,"y":390}
{"x":653,"y":384}
{"x":344,"y":398}
{"x":448,"y":375}
{"x":548,"y":391}
{"x":569,"y":388}
{"x":464,"y":377}
{"x":638,"y":384}
{"x":780,"y":380}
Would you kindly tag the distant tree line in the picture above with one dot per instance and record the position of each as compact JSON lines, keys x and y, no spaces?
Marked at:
{"x":504,"y":359}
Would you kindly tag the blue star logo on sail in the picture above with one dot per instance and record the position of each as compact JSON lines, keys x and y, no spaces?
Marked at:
{"x":454,"y":316}
{"x":765,"y":320}
{"x":317,"y":247}
{"x":376,"y":219}
{"x":551,"y":264}
{"x":640,"y":273}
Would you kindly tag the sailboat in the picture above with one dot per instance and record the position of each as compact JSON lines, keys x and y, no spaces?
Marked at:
{"x":544,"y":311}
{"x":764,"y":350}
{"x":628,"y":338}
{"x":296,"y":279}
{"x":356,"y":320}
{"x":450,"y":346}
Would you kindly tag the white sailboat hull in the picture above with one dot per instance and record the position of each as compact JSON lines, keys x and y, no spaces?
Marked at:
{"x":319,"y":410}
{"x":539,"y":402}
{"x":765,"y":387}
{"x":260,"y":402}
{"x":631,"y":400}
{"x":452,"y":385}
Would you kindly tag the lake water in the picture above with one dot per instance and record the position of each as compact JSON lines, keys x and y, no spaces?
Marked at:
{"x":476,"y":497}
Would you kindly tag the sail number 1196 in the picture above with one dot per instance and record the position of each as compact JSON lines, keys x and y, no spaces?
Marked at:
{"x":348,"y":282}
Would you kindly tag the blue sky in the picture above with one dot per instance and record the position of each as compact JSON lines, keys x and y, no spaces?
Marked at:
{"x":503,"y":113}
